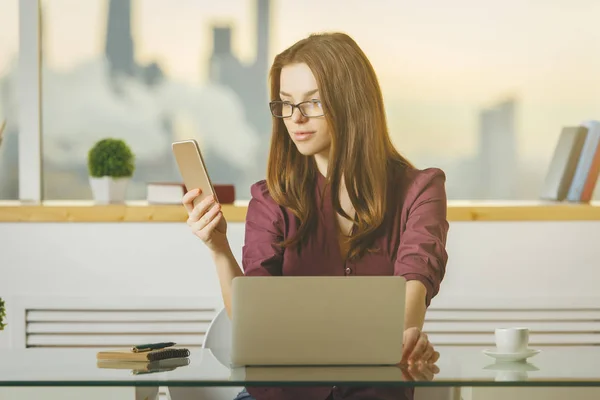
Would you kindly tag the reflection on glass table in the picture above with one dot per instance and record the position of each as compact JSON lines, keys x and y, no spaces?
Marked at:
{"x":458,"y":366}
{"x":509,"y":371}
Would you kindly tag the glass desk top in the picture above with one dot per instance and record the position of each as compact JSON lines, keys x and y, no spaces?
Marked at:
{"x":458,"y":366}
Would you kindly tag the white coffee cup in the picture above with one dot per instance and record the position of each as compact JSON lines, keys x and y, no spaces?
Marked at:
{"x":512,"y":340}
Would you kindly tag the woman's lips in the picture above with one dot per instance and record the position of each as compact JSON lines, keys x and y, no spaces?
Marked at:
{"x":303,"y":135}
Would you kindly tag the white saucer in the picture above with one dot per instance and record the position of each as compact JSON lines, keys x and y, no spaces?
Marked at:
{"x":511,"y":366}
{"x":511,"y":356}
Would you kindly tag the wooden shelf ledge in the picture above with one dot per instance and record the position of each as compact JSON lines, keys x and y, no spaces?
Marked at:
{"x":56,"y":211}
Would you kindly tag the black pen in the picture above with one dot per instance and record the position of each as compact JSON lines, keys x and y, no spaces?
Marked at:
{"x":151,"y":346}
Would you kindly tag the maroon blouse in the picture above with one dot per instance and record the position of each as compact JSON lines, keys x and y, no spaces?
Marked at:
{"x":411,"y":244}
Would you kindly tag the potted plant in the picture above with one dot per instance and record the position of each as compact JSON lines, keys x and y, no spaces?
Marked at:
{"x":110,"y":164}
{"x":2,"y":314}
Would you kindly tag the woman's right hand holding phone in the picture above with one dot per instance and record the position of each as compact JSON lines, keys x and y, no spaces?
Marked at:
{"x":206,"y":221}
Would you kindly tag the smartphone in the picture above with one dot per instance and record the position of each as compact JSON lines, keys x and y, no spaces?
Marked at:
{"x":193,"y":169}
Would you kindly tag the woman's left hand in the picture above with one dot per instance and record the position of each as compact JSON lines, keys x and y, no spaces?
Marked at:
{"x":417,"y":348}
{"x":419,"y":372}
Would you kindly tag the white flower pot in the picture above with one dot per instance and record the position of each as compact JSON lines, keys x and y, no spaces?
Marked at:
{"x":108,"y":190}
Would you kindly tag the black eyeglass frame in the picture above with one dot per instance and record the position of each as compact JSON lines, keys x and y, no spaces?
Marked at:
{"x":294,"y":106}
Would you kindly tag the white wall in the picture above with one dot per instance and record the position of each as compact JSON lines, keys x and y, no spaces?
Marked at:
{"x":487,"y":260}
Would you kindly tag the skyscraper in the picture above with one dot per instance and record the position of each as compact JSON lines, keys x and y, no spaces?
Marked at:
{"x":119,"y":46}
{"x":119,"y":49}
{"x":249,"y":82}
{"x":263,"y":25}
{"x":498,"y":152}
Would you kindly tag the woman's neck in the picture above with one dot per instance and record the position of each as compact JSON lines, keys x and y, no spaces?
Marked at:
{"x":322,"y":161}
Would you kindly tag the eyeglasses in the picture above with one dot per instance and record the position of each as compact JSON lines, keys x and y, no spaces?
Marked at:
{"x":285,"y":109}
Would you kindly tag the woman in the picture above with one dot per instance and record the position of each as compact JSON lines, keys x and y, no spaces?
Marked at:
{"x":338,"y":198}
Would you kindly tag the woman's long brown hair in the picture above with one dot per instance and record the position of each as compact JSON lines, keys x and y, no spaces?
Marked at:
{"x":361,"y":150}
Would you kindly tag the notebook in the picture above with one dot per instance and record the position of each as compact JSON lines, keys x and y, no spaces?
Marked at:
{"x":153,"y":355}
{"x":145,"y":367}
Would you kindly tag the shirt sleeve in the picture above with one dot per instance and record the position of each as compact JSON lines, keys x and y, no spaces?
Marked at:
{"x":261,"y":253}
{"x":422,"y":252}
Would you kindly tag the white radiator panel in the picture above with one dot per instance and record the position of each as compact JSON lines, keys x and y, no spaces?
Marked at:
{"x":548,"y":326}
{"x":112,"y":340}
{"x":514,"y":314}
{"x":118,"y":322}
{"x":125,"y":327}
{"x":115,"y":323}
{"x":141,"y":315}
{"x":533,"y":326}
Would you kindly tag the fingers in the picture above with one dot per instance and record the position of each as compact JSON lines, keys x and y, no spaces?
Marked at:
{"x":419,"y":349}
{"x":435,"y":357}
{"x":188,"y":199}
{"x":411,"y":336}
{"x":198,"y":224}
{"x":205,"y":233}
{"x":200,"y":209}
{"x":419,"y":372}
{"x":428,"y":353}
{"x":406,"y":374}
{"x":426,"y":372}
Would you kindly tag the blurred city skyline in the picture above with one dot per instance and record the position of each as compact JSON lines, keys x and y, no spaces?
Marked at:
{"x":441,"y":64}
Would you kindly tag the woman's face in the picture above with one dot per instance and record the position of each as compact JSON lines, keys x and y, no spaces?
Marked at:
{"x":310,"y":133}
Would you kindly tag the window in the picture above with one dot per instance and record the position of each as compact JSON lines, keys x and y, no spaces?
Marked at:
{"x":151,"y":72}
{"x":9,"y":142}
{"x":480,"y":89}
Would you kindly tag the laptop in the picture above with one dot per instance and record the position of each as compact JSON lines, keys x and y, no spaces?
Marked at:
{"x":317,"y":320}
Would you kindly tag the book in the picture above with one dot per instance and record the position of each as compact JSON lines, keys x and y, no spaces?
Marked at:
{"x":225,"y":193}
{"x":153,"y":355}
{"x":588,"y":167}
{"x":164,"y":192}
{"x":145,"y":367}
{"x":564,"y":162}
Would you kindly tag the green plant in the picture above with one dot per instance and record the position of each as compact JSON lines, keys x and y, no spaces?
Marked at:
{"x":111,"y":157}
{"x":2,"y":314}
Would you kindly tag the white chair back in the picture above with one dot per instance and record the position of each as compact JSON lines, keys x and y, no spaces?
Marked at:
{"x":218,"y":339}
